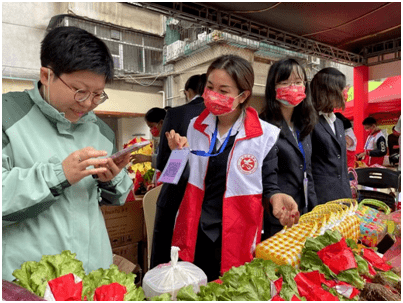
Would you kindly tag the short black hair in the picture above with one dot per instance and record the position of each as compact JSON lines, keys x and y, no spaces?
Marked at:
{"x":196,"y":83}
{"x":346,"y":123}
{"x":69,"y":49}
{"x":327,"y":90}
{"x":155,"y":115}
{"x":369,"y":121}
{"x":304,"y":115}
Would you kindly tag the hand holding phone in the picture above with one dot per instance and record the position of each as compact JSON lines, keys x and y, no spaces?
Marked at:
{"x":129,"y":149}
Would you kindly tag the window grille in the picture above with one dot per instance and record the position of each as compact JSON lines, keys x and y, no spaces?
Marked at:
{"x":132,"y":52}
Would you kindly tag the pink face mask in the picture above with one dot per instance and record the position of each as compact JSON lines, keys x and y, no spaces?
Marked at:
{"x":154,"y":131}
{"x":218,"y":104}
{"x":293,"y":95}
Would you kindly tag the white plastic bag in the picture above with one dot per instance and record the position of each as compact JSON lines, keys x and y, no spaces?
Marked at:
{"x":172,"y":276}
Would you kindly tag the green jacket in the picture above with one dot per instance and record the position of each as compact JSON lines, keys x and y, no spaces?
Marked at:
{"x":42,"y":213}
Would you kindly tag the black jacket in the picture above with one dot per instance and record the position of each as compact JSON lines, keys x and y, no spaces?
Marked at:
{"x":329,"y":162}
{"x":178,"y":119}
{"x":171,"y":195}
{"x":290,"y":175}
{"x":290,"y":172}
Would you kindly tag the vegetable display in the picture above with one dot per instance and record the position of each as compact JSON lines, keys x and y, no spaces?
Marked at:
{"x":331,"y":268}
{"x":62,"y":277}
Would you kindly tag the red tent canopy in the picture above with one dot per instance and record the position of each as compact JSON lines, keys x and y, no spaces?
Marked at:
{"x":384,"y":101}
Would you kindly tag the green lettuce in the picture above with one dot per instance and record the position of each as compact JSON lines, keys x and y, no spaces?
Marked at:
{"x":362,"y":265}
{"x":102,"y":276}
{"x":34,"y":276}
{"x":187,"y":294}
{"x":390,"y":276}
{"x":289,"y":287}
{"x":163,"y":297}
{"x":310,"y":261}
{"x":352,"y":277}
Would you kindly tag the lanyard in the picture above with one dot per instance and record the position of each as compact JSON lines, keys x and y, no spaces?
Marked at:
{"x":212,"y":144}
{"x":305,"y":181}
{"x":301,"y":148}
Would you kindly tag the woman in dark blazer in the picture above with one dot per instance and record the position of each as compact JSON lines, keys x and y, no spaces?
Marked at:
{"x":170,"y":197}
{"x":329,"y":156}
{"x":288,"y":106}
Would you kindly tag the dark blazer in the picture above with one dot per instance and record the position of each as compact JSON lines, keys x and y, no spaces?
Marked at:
{"x":329,"y":162}
{"x":170,"y":197}
{"x":290,"y":175}
{"x":178,"y":119}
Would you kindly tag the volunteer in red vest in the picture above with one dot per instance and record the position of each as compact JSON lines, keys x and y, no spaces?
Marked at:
{"x":375,"y":146}
{"x":232,"y":162}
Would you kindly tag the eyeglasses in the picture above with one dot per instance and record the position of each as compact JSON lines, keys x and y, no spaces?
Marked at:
{"x":81,"y":95}
{"x":285,"y":83}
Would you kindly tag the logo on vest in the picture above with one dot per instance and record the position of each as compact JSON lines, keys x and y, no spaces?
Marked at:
{"x":247,"y":164}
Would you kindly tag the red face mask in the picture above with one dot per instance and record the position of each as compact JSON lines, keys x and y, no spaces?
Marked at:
{"x":218,"y":104}
{"x":292,"y":95}
{"x":154,"y":131}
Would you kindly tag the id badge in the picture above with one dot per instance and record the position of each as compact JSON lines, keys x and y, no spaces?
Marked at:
{"x":306,"y":190}
{"x":176,"y":164}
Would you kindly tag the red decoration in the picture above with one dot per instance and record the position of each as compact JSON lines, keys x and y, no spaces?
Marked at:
{"x":110,"y":292}
{"x":310,"y":286}
{"x":278,"y":284}
{"x":376,"y":261}
{"x":338,"y":256}
{"x":64,"y":288}
{"x":277,"y":298}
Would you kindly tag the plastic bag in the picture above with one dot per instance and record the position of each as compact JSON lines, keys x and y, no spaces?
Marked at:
{"x":172,"y":276}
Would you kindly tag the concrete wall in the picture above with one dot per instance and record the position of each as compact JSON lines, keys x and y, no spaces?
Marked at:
{"x":120,"y":14}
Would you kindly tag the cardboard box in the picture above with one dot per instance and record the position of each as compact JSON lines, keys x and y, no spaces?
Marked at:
{"x":129,"y":252}
{"x":127,"y":267}
{"x":124,"y":223}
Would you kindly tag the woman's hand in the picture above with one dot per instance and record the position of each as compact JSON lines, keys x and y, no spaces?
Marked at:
{"x":285,"y":209}
{"x":360,"y":156}
{"x":175,"y":141}
{"x":113,"y":167}
{"x":75,"y":166}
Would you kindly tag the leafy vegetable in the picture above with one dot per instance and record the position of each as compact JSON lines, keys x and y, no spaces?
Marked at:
{"x":310,"y":261}
{"x":362,"y":265}
{"x":289,"y":287}
{"x":187,"y":294}
{"x":352,"y":277}
{"x":351,"y":243}
{"x":390,"y":276}
{"x":35,"y":275}
{"x":163,"y":297}
{"x":102,"y":276}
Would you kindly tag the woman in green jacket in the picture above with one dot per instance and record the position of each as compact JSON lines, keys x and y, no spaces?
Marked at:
{"x":53,"y":145}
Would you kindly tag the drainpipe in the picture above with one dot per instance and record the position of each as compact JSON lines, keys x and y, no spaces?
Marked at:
{"x":163,"y":98}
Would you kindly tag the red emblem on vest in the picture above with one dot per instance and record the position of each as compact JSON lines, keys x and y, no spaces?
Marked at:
{"x":247,"y":164}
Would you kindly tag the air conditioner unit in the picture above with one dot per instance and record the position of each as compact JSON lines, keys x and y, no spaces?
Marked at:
{"x":315,"y":60}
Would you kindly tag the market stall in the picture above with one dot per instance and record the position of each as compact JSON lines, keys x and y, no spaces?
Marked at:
{"x":336,"y":252}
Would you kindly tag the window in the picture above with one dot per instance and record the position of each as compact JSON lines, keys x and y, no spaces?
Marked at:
{"x":132,"y":52}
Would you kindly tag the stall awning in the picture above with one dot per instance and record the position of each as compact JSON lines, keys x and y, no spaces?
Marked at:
{"x":384,"y":101}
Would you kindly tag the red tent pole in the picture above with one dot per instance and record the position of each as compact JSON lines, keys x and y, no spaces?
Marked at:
{"x":360,"y":110}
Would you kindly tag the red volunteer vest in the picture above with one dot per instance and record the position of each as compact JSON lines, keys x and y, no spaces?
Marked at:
{"x":242,"y":203}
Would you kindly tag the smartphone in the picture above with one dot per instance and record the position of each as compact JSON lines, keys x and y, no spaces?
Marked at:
{"x":129,"y":149}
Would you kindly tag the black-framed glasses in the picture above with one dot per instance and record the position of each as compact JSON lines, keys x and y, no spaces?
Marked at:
{"x":81,"y":95}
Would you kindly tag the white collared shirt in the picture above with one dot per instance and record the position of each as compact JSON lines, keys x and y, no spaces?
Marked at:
{"x":236,"y":127}
{"x":330,"y":118}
